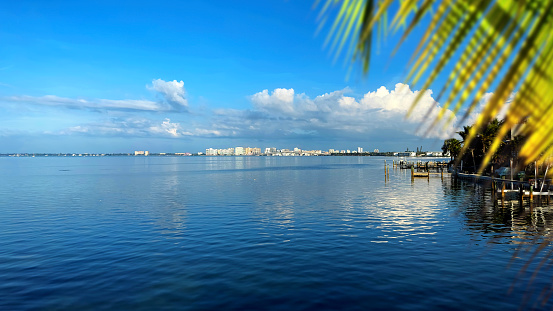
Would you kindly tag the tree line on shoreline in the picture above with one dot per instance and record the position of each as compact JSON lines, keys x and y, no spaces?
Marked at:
{"x":472,"y":158}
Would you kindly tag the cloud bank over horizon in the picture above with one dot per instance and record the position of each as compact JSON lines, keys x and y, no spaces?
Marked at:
{"x":279,"y":114}
{"x":379,"y":110}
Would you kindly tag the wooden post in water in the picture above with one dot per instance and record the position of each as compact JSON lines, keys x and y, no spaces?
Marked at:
{"x":531,"y":193}
{"x":493,"y":190}
{"x":412,"y":173}
{"x":536,"y":173}
{"x":511,"y":170}
{"x":503,"y":191}
{"x":543,"y":182}
{"x":520,"y":195}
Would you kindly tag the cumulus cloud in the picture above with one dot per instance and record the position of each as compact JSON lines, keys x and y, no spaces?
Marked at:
{"x":168,"y":128}
{"x":280,"y":100}
{"x":379,"y":110}
{"x":172,"y":93}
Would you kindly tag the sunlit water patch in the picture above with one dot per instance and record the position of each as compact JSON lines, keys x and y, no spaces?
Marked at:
{"x":258,"y":233}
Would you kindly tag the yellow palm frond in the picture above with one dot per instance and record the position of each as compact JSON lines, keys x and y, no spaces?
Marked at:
{"x":469,"y":48}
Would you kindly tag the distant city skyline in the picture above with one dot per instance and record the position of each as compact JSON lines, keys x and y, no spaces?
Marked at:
{"x":235,"y":151}
{"x":188,"y":75}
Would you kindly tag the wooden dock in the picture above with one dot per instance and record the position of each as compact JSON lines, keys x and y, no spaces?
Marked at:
{"x":421,"y":174}
{"x":520,"y":190}
{"x":427,"y":166}
{"x":418,"y":169}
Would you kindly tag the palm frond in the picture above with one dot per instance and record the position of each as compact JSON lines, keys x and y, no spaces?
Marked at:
{"x":469,"y":48}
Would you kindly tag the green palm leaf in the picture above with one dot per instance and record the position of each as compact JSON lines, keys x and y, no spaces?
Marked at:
{"x":474,"y":47}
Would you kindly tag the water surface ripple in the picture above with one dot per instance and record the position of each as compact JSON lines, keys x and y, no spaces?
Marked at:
{"x":235,"y":233}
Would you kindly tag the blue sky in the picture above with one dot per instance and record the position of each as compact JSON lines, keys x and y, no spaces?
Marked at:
{"x":182,"y":76}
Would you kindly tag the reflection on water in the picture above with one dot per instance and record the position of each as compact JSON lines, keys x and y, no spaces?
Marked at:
{"x":258,"y":232}
{"x":506,"y":220}
{"x":526,"y":224}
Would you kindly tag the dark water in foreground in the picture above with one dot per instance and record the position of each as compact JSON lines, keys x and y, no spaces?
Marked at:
{"x":235,"y":233}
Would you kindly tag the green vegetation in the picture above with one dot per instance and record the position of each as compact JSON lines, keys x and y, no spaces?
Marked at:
{"x":452,"y":147}
{"x":478,"y":147}
{"x":468,"y":48}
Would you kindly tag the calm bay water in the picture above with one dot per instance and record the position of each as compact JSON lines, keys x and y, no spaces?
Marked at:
{"x":278,"y":233}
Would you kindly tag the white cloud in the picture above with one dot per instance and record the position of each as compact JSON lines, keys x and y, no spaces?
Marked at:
{"x":99,"y":104}
{"x":471,"y":118}
{"x":172,"y":91}
{"x":379,"y":110}
{"x":141,"y":127}
{"x":280,"y":101}
{"x":130,"y":127}
{"x":168,"y":128}
{"x":284,"y":113}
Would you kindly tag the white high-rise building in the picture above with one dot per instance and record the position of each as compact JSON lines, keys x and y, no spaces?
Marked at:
{"x":270,"y":150}
{"x":359,"y":150}
{"x":211,"y":152}
{"x":239,"y":151}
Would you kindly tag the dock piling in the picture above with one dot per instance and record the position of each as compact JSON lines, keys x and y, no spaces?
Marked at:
{"x":521,"y":195}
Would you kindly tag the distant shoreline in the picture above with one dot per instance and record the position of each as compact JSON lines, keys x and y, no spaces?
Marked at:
{"x":366,"y":154}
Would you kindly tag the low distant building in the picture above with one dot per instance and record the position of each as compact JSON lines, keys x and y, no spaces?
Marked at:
{"x":144,"y":153}
{"x":407,"y":154}
{"x":434,"y":154}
